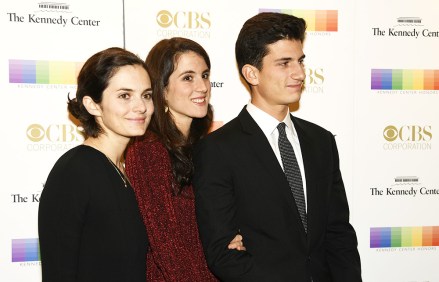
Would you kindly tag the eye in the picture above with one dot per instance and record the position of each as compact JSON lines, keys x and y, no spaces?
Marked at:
{"x":147,"y":96}
{"x":206,"y":75}
{"x":124,"y":96}
{"x":187,"y":78}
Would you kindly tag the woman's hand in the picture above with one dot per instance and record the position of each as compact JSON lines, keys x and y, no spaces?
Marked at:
{"x":237,"y":243}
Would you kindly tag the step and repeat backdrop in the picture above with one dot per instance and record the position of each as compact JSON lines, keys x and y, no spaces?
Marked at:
{"x":372,"y":79}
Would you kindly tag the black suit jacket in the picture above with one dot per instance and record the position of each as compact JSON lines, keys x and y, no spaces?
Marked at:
{"x":241,"y":188}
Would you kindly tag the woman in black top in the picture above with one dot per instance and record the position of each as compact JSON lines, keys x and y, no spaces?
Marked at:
{"x":89,"y":223}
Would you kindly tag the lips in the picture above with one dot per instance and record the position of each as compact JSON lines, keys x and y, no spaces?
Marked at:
{"x":199,"y":100}
{"x":139,"y":120}
{"x":295,"y":86}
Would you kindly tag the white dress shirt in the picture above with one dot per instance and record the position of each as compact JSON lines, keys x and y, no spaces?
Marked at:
{"x":268,"y":125}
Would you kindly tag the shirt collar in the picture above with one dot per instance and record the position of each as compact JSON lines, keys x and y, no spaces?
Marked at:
{"x":287,"y":120}
{"x":266,"y":122}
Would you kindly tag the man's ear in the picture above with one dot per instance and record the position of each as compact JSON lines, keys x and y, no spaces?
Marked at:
{"x":91,"y":107}
{"x":251,"y":74}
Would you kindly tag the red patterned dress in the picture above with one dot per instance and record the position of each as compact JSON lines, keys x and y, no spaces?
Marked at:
{"x":175,"y":249}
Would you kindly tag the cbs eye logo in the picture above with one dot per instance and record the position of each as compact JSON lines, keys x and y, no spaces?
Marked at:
{"x":35,"y":132}
{"x":54,"y":133}
{"x":408,"y":133}
{"x":390,"y":133}
{"x":189,"y":19}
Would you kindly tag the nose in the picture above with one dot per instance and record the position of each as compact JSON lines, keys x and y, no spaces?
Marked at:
{"x":140,"y":105}
{"x":202,"y":85}
{"x":298,"y":72}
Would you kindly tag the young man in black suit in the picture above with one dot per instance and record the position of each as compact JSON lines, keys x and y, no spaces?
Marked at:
{"x":279,"y":186}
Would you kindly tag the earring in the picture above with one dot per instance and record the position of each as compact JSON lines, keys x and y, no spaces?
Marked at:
{"x":166,"y":109}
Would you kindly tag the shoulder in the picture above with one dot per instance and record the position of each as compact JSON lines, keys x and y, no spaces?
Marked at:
{"x":80,"y":157}
{"x":77,"y":168}
{"x":146,"y":150}
{"x":314,"y":136}
{"x":222,"y":142}
{"x":149,"y":142}
{"x":223,"y":133}
{"x":309,"y":127}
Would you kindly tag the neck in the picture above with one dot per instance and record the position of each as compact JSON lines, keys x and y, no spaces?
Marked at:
{"x":113,"y":149}
{"x":277,"y":111}
{"x":184,"y":127}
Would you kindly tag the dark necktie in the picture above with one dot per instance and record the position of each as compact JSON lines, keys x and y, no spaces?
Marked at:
{"x":292,"y":172}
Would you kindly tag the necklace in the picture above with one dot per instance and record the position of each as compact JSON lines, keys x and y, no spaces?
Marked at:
{"x":122,"y":176}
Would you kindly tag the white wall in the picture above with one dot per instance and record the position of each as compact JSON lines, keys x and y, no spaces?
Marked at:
{"x":339,"y":63}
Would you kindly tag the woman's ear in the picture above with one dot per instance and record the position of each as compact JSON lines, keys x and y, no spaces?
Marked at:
{"x":93,"y":108}
{"x":250,"y":74}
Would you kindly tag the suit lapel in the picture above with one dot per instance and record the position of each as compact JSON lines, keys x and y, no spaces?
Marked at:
{"x":308,"y":152}
{"x":261,"y":148}
{"x":258,"y":143}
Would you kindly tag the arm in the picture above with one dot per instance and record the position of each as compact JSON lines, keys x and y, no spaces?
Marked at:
{"x":61,"y":215}
{"x":216,"y":214}
{"x":149,"y":170}
{"x":341,"y":240}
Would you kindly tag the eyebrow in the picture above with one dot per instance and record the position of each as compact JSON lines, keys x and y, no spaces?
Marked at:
{"x":131,"y":90}
{"x":289,"y":58}
{"x":125,"y":89}
{"x":192,"y":72}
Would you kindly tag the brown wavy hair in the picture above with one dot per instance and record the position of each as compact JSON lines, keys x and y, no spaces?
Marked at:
{"x":161,"y":62}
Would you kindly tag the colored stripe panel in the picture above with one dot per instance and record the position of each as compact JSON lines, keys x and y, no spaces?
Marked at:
{"x":316,"y":20}
{"x":404,"y":79}
{"x":395,"y":240}
{"x":25,"y":250}
{"x":394,"y":237}
{"x":436,"y":79}
{"x":43,"y":72}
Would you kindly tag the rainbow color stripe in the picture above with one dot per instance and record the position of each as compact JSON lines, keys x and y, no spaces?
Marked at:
{"x":316,"y":20}
{"x":25,"y":250}
{"x":400,"y":79}
{"x":394,"y":237}
{"x":43,"y":72}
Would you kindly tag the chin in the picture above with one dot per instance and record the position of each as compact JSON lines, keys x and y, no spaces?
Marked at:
{"x":295,"y":98}
{"x":138,"y":132}
{"x":199,"y":115}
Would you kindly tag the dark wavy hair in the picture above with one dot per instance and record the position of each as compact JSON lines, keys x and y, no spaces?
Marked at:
{"x":161,"y":62}
{"x":262,"y":30}
{"x":93,"y":79}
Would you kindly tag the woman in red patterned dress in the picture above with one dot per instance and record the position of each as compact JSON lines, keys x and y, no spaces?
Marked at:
{"x":159,"y":164}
